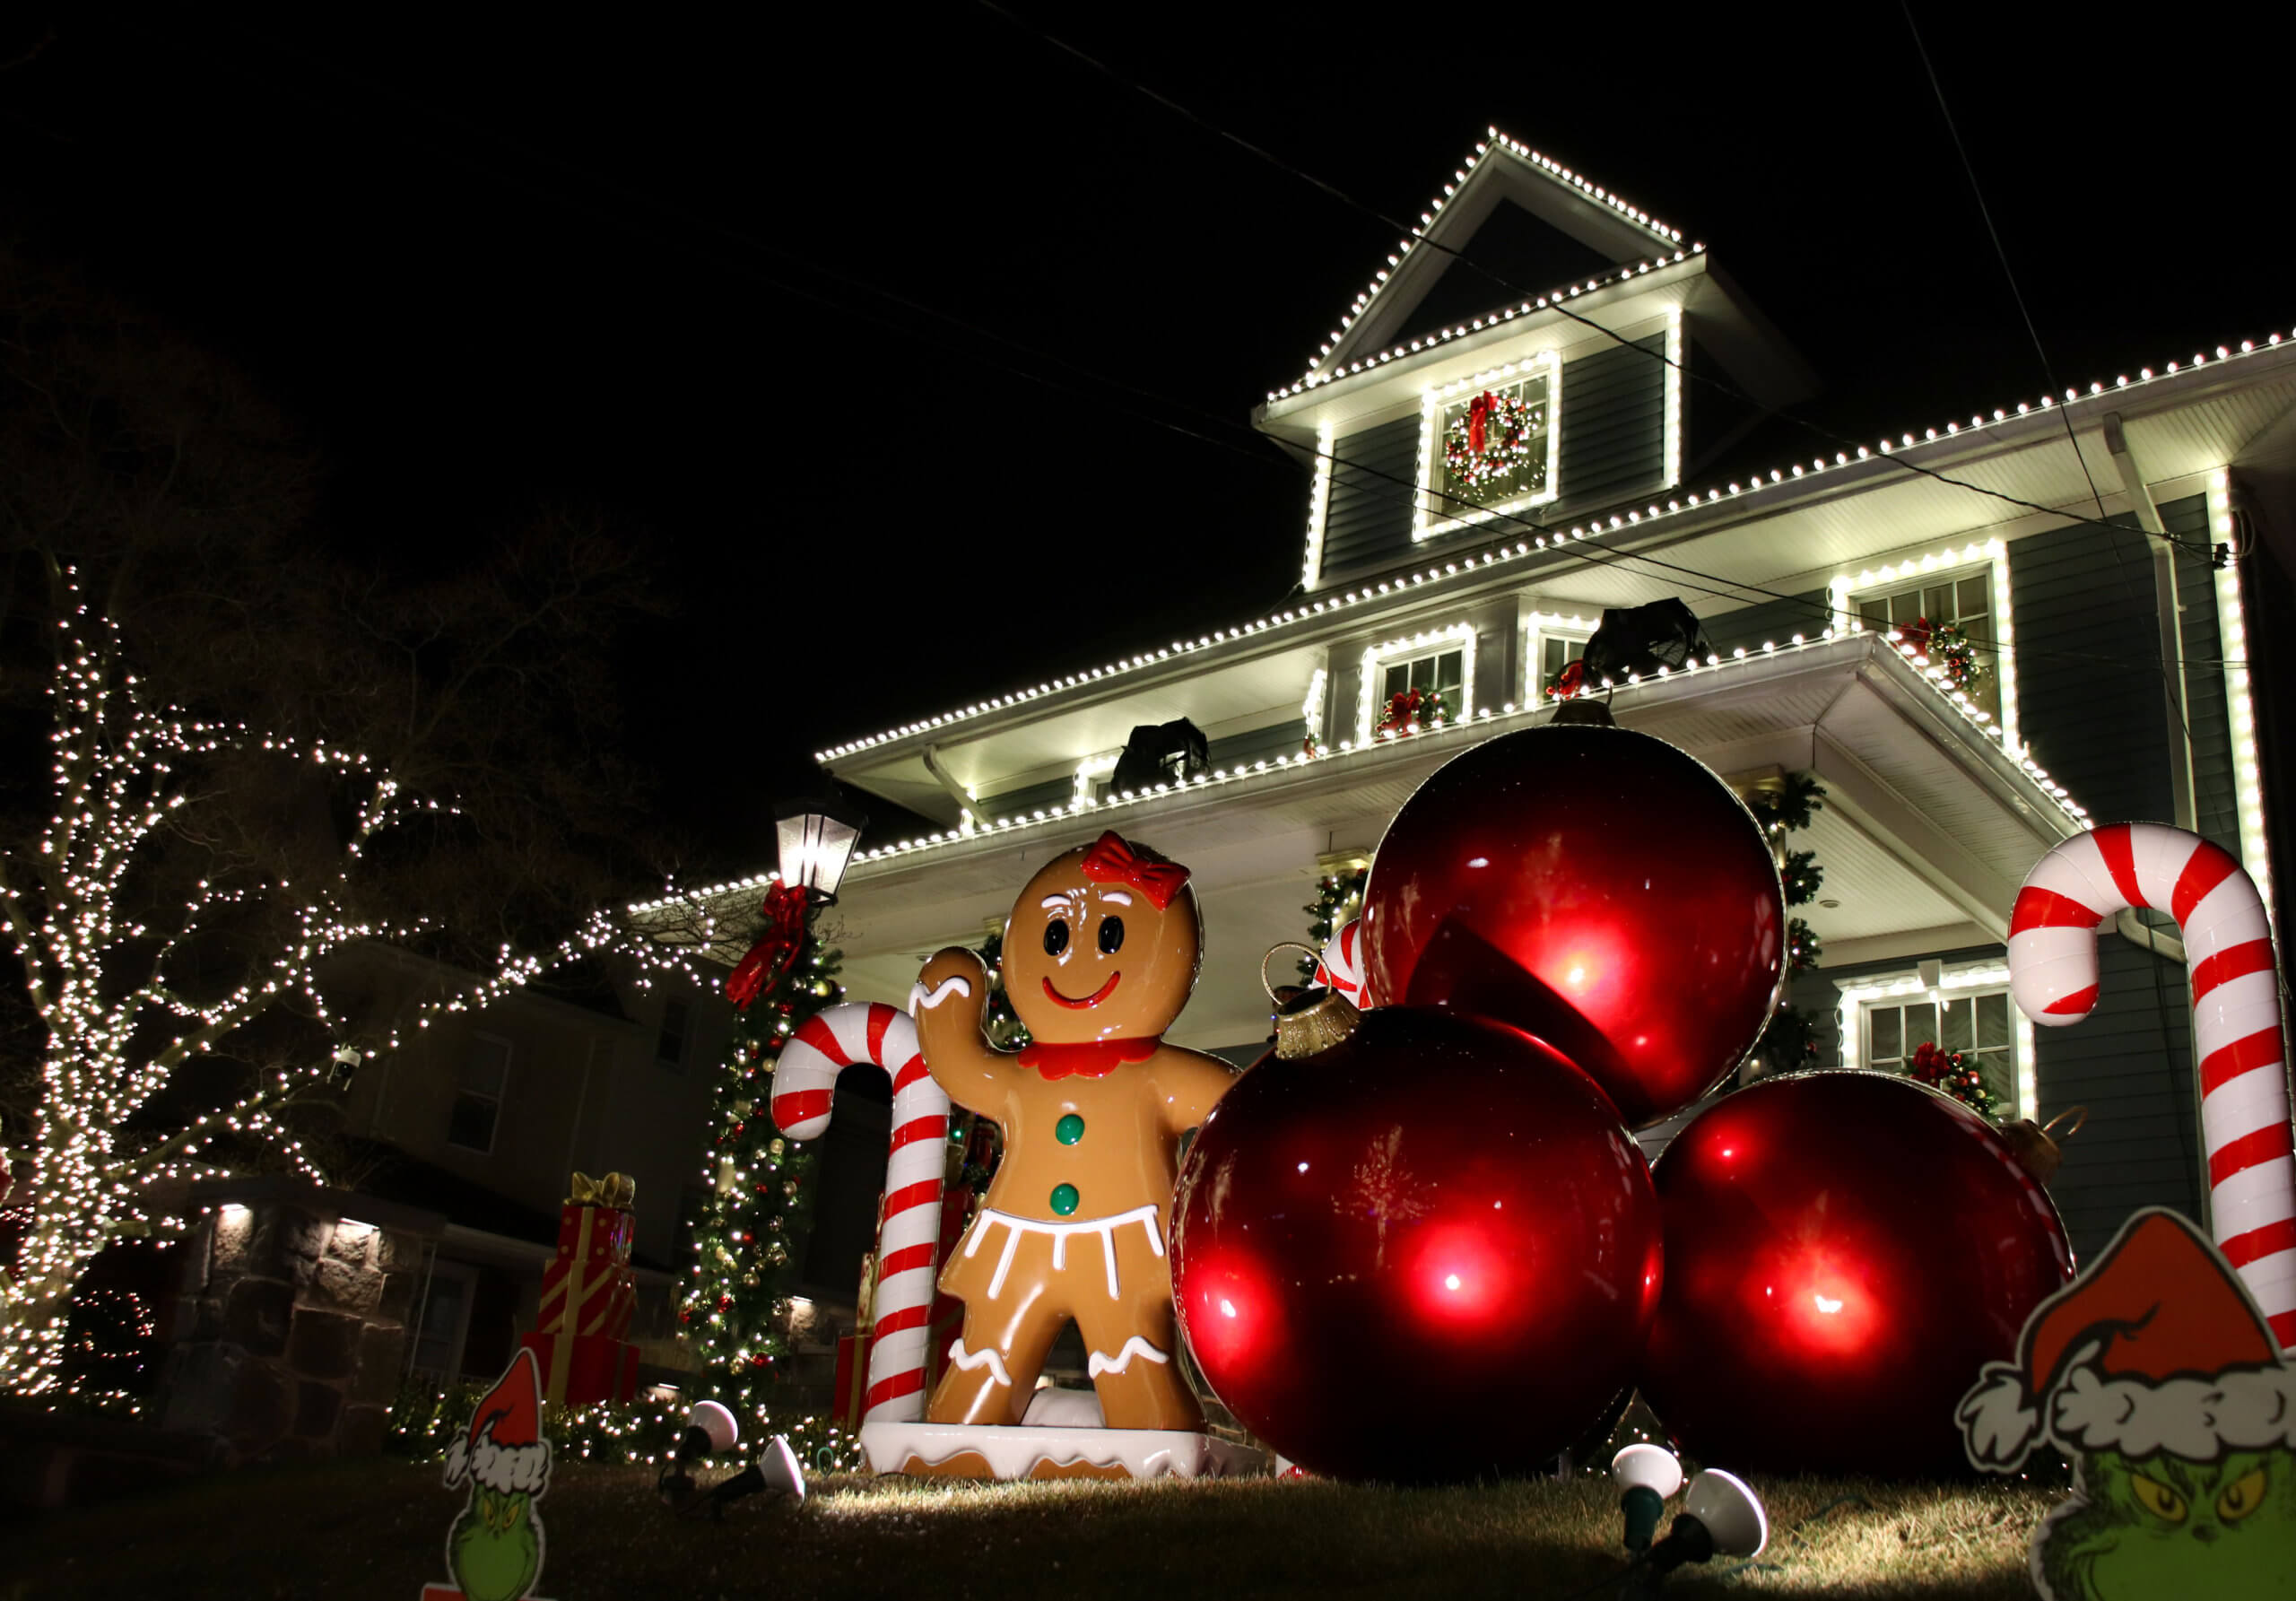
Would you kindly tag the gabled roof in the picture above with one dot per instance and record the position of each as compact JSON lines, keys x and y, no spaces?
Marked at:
{"x":1499,"y":171}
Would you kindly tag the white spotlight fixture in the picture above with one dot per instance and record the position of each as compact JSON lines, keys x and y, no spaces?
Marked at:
{"x":709,"y":1430}
{"x":1647,"y":1476}
{"x":1721,"y":1516}
{"x":774,"y":1473}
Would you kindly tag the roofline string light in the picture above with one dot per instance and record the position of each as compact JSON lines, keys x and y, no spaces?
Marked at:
{"x":1515,"y":147}
{"x":2232,"y":621}
{"x":1279,"y":766}
{"x":1309,"y":609}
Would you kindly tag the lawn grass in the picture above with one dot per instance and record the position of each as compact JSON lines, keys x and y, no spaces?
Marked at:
{"x":377,"y":1529}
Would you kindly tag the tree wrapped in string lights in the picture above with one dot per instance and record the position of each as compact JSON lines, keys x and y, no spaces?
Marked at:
{"x":179,"y":917}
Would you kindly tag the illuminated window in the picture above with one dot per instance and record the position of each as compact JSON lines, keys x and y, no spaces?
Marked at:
{"x":1551,"y":646}
{"x":1966,"y":601}
{"x":1974,"y":1021}
{"x":478,"y":1093}
{"x":1443,"y":671}
{"x":1441,"y":659}
{"x":1517,"y":465}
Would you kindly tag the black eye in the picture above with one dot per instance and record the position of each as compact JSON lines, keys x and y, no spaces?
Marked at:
{"x":1111,"y":935}
{"x":1056,"y":937}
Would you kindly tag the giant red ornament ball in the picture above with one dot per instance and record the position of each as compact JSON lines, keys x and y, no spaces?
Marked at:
{"x":1595,"y":887}
{"x":1845,"y":1252}
{"x":1427,"y":1253}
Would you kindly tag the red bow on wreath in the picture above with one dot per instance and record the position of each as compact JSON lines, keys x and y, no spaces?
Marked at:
{"x":761,"y":970}
{"x":1917,"y":634}
{"x":1480,"y":410}
{"x":1570,"y":680}
{"x":1931,"y":1065}
{"x":1112,"y":860}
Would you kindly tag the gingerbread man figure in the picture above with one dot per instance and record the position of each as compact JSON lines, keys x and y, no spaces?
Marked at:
{"x":1101,"y":952}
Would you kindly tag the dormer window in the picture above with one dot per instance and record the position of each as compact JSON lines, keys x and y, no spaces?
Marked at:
{"x":1441,"y":662}
{"x":1488,"y":446}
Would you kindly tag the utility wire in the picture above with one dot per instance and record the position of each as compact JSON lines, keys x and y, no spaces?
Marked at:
{"x":1424,"y":238}
{"x":1595,"y":554}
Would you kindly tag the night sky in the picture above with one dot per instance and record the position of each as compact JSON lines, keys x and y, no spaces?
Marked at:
{"x":922,"y":352}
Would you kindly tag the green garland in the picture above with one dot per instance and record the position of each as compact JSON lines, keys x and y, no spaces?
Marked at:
{"x":1339,"y":896}
{"x":1005,"y":1030}
{"x":1789,"y":1040}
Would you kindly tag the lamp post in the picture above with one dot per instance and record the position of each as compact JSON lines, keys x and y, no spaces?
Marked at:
{"x":815,"y":837}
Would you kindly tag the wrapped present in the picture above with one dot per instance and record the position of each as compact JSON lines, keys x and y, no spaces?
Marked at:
{"x":588,"y":1297}
{"x":852,"y":1384}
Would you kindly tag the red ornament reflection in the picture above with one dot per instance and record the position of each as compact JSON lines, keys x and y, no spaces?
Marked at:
{"x":1593,"y":886}
{"x":1845,"y":1251}
{"x":1427,"y":1253}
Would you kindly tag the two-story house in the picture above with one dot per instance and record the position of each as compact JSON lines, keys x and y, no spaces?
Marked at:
{"x":2105,"y":548}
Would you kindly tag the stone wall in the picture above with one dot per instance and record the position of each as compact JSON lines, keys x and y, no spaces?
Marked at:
{"x":290,"y":1331}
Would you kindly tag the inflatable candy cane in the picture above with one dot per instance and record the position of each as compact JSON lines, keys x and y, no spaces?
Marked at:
{"x":803,"y":1089}
{"x":2089,"y":880}
{"x":1340,"y":968}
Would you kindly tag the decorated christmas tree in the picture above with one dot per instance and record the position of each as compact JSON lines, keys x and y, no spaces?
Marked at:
{"x":755,"y":1219}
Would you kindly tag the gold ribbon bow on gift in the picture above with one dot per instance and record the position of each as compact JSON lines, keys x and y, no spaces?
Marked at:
{"x":616,"y":1190}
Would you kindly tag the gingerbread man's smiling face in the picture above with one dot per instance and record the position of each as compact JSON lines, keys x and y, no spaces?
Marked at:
{"x":1103,"y":944}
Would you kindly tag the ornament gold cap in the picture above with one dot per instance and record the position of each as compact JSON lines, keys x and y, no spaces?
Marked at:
{"x":1587,"y":713}
{"x":2031,"y":1146}
{"x":1308,"y":1022}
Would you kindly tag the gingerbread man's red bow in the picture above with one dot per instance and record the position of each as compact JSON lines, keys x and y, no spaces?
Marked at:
{"x":1113,"y":861}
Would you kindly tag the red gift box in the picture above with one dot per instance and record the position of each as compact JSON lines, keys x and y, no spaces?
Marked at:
{"x":587,"y":1296}
{"x":852,"y":1384}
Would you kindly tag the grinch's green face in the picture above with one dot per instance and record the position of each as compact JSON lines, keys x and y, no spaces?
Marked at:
{"x":494,"y":1550}
{"x":2161,"y":1526}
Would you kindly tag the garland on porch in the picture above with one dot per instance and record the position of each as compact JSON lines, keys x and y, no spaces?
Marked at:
{"x":1957,"y":1075}
{"x":1951,"y":647}
{"x":754,"y":1222}
{"x":1790,"y":1040}
{"x":1339,"y":896}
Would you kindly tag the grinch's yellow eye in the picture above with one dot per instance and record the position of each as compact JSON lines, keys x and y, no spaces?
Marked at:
{"x":2158,"y":1499}
{"x":2244,"y":1497}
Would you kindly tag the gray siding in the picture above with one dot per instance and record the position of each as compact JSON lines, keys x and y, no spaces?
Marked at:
{"x":2088,"y":699}
{"x":1614,"y":427}
{"x":2217,"y":812}
{"x":1020,"y":803}
{"x":1261,"y":744}
{"x":1368,"y":522}
{"x":1777,"y":621}
{"x":2130,"y":1063}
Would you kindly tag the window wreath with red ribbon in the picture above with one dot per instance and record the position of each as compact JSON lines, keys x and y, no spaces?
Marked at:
{"x":1410,"y":710}
{"x":1949,"y":645}
{"x":1495,"y":448}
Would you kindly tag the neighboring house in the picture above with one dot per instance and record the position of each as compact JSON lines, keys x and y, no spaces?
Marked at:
{"x":484,"y":1116}
{"x":2121,"y":692}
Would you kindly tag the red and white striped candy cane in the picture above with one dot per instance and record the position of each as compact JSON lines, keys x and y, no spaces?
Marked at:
{"x":1340,"y":968}
{"x":2085,"y":883}
{"x":803,"y":1089}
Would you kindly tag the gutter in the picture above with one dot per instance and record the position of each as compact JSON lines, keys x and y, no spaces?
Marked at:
{"x":2168,"y":610}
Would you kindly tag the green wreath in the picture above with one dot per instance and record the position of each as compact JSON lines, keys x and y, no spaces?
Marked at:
{"x":1493,"y":447}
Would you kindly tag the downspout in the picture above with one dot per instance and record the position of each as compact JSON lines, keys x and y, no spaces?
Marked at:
{"x":2164,"y":593}
{"x":956,"y":792}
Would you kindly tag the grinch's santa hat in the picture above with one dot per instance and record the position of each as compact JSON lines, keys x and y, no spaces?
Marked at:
{"x":504,"y":1450}
{"x":2156,"y":1348}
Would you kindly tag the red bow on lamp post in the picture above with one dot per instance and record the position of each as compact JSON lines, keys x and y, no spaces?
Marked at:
{"x":761,"y":970}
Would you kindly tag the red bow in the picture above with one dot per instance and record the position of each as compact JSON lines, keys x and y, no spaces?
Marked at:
{"x":1570,"y":680}
{"x":1917,"y":634}
{"x":1112,"y":861}
{"x":1479,"y":410}
{"x":785,"y":931}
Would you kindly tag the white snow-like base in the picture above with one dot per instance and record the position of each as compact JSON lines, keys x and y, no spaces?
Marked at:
{"x":1015,"y":1452}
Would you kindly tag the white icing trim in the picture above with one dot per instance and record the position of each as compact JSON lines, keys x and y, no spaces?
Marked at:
{"x":1097,"y":1364}
{"x":1015,"y":1451}
{"x":918,"y":995}
{"x":1105,"y":1227}
{"x":970,"y":1360}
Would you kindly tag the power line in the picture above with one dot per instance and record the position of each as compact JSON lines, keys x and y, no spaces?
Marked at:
{"x":1424,"y":237}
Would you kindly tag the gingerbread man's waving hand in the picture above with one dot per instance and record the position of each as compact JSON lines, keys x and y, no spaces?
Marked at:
{"x":1101,"y":952}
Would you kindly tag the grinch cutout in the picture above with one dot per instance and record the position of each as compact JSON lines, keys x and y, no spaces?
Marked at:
{"x":2156,"y":1374}
{"x":1101,"y":952}
{"x":494,"y":1550}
